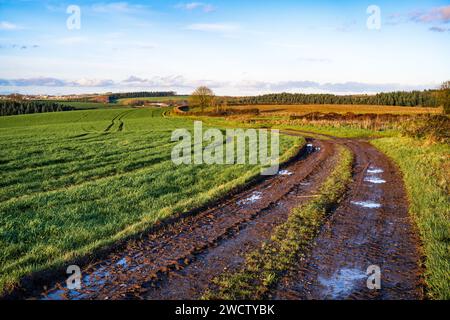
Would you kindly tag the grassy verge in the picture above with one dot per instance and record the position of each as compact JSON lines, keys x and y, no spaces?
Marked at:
{"x":426,"y":171}
{"x":264,"y":267}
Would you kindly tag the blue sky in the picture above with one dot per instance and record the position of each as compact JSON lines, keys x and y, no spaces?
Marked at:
{"x":235,"y":47}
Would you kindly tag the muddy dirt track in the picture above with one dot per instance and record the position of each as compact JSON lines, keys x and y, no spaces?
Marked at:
{"x":370,"y":227}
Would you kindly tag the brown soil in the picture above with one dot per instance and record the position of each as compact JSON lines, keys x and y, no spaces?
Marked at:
{"x":371,"y":227}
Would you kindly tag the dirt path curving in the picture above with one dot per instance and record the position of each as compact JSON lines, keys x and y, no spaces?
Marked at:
{"x":371,"y":227}
{"x":179,"y":261}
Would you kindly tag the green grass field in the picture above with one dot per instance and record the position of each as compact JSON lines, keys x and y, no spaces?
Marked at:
{"x":75,"y":182}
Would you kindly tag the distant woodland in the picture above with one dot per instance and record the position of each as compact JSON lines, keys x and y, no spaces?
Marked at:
{"x":147,"y":94}
{"x":11,"y":107}
{"x":407,"y":99}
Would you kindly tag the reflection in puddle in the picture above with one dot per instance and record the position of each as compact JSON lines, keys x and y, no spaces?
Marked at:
{"x":56,"y":295}
{"x":91,"y":282}
{"x":367,"y":204}
{"x":374,"y":180}
{"x":122,"y":262}
{"x":373,"y":170}
{"x":341,"y":284}
{"x":285,"y":173}
{"x":252,"y":199}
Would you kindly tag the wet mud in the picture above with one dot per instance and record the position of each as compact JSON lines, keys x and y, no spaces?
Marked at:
{"x":371,"y":228}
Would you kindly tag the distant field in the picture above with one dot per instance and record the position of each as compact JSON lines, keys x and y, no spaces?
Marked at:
{"x":357,"y":109}
{"x":87,"y":105}
{"x":75,"y":181}
{"x":153,"y":99}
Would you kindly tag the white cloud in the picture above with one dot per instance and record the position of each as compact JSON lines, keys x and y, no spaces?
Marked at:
{"x":439,"y":29}
{"x":213,"y":27}
{"x":177,"y":82}
{"x":288,"y":45}
{"x":315,"y":60}
{"x":437,"y":15}
{"x":72,"y":40}
{"x":5,"y":25}
{"x":205,"y":7}
{"x":171,"y":82}
{"x":92,"y":83}
{"x":340,"y":88}
{"x":117,"y":7}
{"x":441,"y":14}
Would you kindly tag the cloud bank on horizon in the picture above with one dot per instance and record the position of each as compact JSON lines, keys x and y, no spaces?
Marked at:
{"x":232,"y":46}
{"x":183,"y":85}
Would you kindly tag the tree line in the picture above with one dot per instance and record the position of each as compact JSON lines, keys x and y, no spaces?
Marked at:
{"x":146,"y":94}
{"x":427,"y":98}
{"x":14,"y":107}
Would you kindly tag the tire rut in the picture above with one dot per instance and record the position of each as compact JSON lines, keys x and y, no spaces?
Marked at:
{"x":229,"y":254}
{"x":371,"y":227}
{"x":118,"y":118}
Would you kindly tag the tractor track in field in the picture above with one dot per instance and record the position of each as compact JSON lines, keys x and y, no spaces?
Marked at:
{"x":371,"y":226}
{"x":118,"y":119}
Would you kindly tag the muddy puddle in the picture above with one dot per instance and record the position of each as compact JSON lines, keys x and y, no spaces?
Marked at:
{"x":367,"y":204}
{"x":285,"y":173}
{"x":256,"y":196}
{"x":341,"y":284}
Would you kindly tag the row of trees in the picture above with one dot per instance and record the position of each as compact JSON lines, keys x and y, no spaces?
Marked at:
{"x":147,"y":94}
{"x":412,"y":99}
{"x":11,"y":107}
{"x":204,"y":97}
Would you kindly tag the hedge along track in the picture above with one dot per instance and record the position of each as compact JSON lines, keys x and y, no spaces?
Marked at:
{"x":147,"y":268}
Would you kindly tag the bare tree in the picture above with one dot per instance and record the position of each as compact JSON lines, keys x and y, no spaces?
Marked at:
{"x":202,"y":97}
